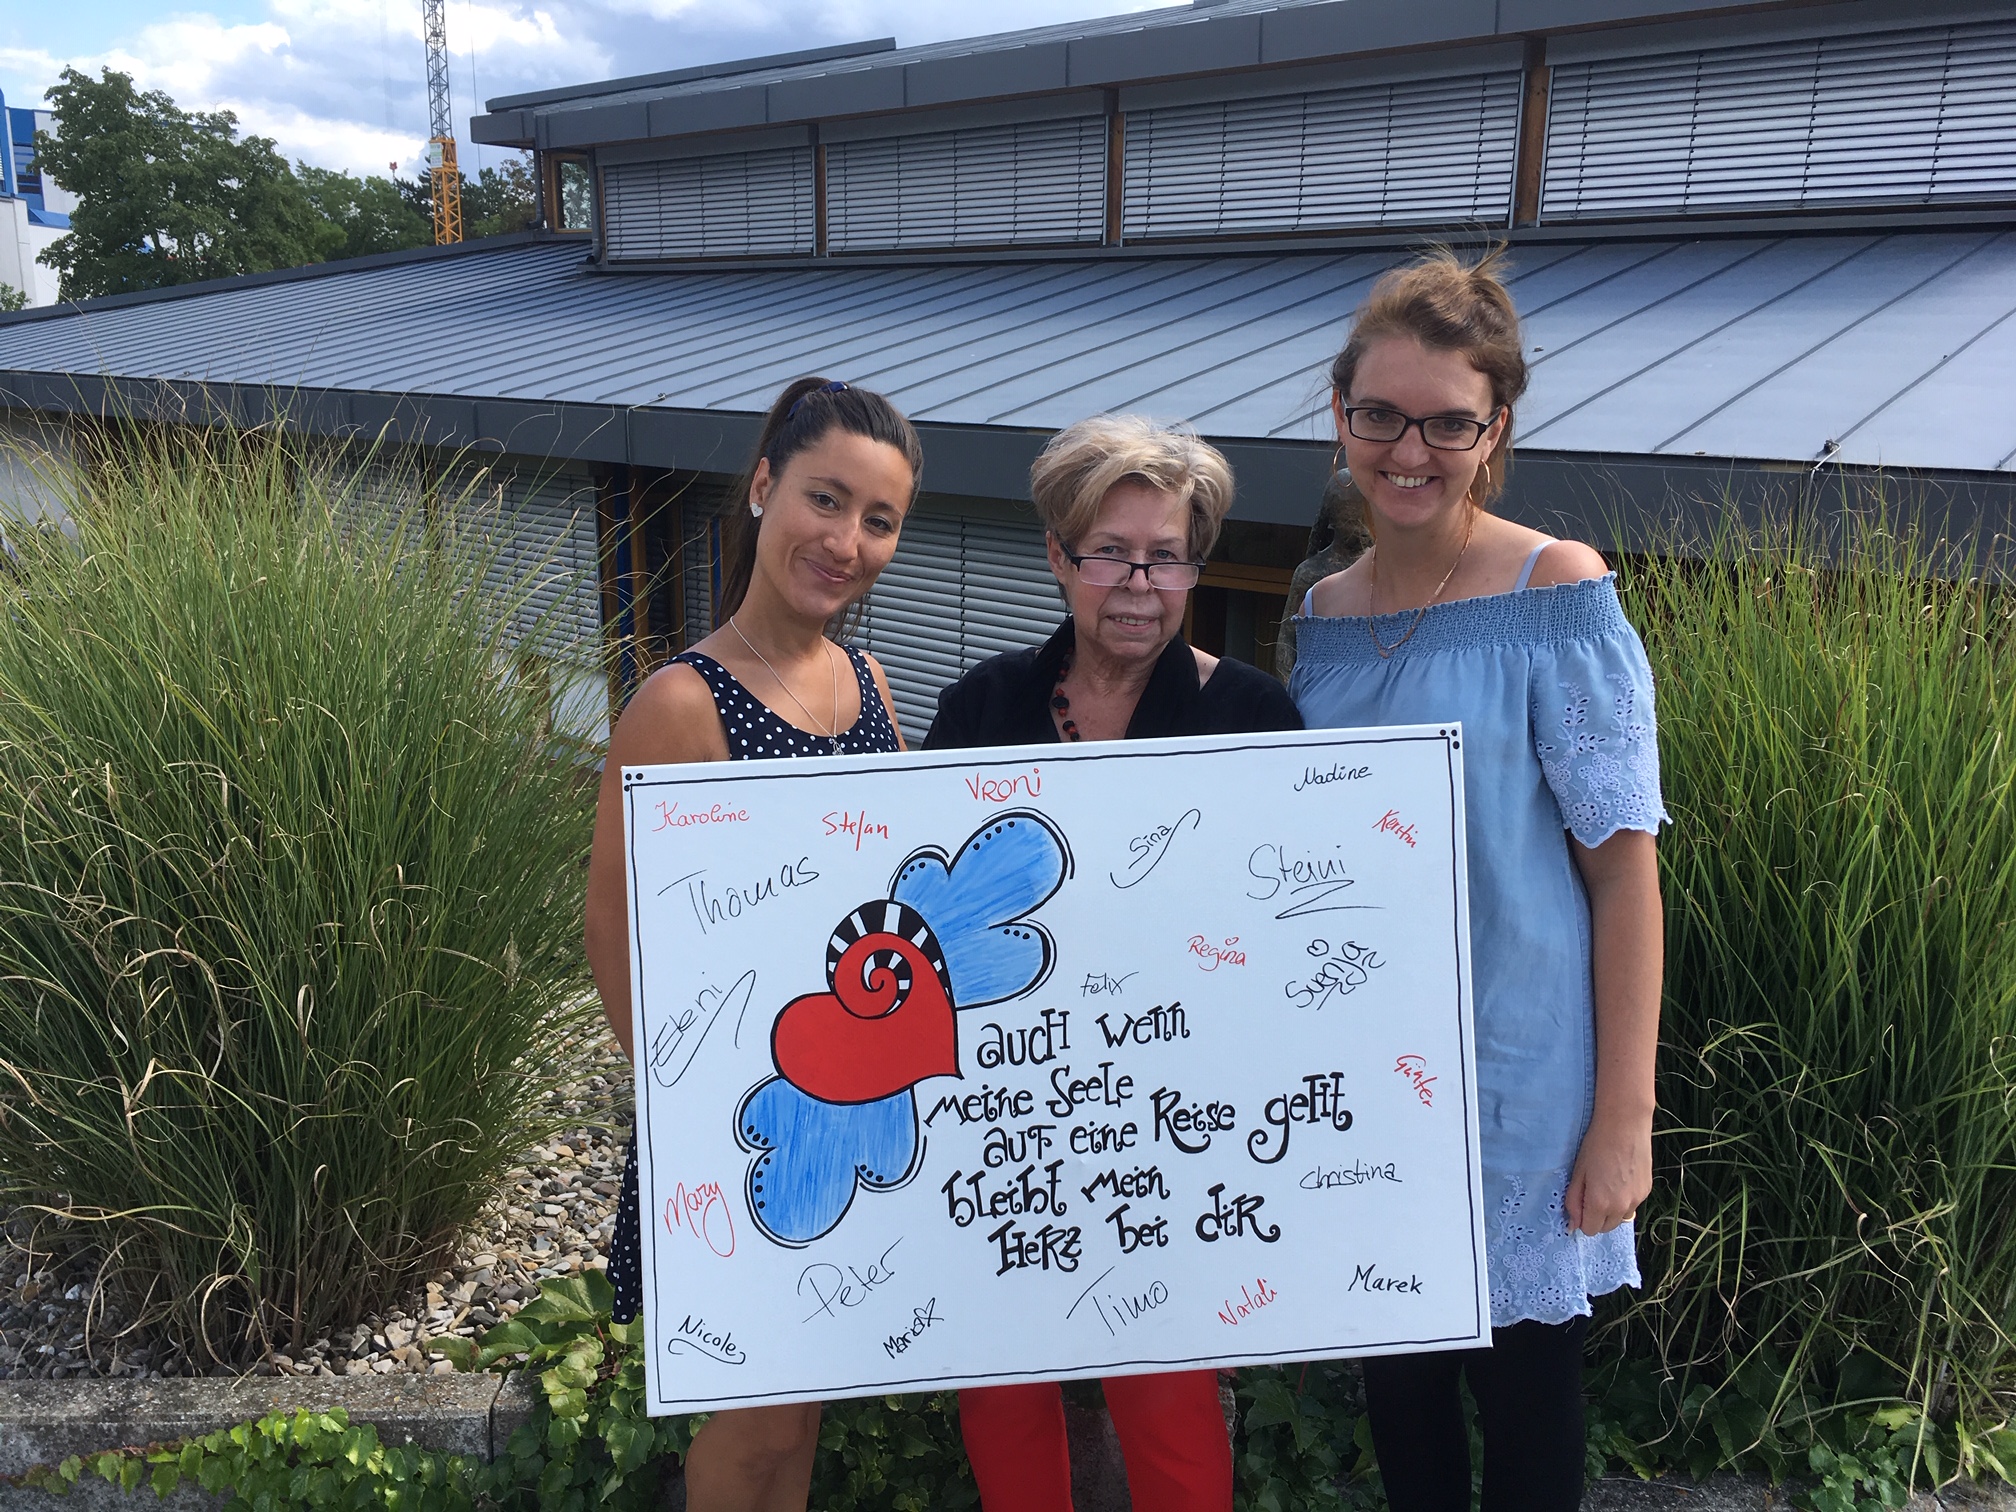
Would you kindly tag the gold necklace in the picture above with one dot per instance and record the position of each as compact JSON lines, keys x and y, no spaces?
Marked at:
{"x":832,"y":735}
{"x":1372,"y":595}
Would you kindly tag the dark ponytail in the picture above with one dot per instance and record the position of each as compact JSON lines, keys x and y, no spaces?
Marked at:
{"x":801,"y":418}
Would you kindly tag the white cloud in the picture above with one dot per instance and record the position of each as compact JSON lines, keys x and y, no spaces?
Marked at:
{"x":29,"y":62}
{"x":187,"y":55}
{"x":355,"y":146}
{"x":342,"y":83}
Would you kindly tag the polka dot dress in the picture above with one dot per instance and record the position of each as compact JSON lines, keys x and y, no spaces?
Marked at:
{"x":754,"y":733}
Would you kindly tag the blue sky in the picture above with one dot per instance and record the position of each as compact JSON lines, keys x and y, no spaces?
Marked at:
{"x":81,"y":29}
{"x":340,"y":83}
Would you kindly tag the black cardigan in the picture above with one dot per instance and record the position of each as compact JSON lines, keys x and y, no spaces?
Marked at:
{"x":1005,"y":700}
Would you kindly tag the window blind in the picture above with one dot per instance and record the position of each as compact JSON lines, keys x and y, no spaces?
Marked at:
{"x":1013,"y":184}
{"x":729,"y":204}
{"x":1414,"y":152}
{"x":960,"y":588}
{"x":1911,"y":117}
{"x":699,"y":567}
{"x":374,"y":503}
{"x":536,"y":528}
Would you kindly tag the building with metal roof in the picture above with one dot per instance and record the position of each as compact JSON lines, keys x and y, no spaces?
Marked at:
{"x":1760,"y":251}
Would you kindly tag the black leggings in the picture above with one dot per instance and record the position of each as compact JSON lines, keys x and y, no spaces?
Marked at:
{"x":1528,"y":1387}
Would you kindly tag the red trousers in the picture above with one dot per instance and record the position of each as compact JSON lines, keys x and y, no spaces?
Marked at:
{"x":1171,"y":1430}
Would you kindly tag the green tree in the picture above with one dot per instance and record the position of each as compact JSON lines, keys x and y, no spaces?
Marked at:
{"x":11,"y":299}
{"x":500,"y":199}
{"x":496,"y":201}
{"x":167,"y":196}
{"x":363,"y":215}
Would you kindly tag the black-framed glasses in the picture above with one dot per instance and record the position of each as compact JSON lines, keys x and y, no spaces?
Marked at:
{"x":1112,"y":572}
{"x":1375,"y":422}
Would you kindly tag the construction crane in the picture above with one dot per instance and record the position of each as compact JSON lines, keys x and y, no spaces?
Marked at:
{"x":447,"y":178}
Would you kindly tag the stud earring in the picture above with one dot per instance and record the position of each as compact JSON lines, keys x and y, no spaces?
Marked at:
{"x":756,"y":510}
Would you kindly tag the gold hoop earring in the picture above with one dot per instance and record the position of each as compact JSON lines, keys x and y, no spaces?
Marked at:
{"x":1337,"y":459}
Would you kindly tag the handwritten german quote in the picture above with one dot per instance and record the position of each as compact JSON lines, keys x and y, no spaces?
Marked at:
{"x":1052,"y":1062}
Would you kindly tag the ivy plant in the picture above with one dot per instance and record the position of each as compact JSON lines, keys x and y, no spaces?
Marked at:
{"x":588,"y":1442}
{"x":307,"y":1459}
{"x":1302,"y":1441}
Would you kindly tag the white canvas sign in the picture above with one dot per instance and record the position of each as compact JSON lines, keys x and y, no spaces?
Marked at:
{"x":1006,"y":1065}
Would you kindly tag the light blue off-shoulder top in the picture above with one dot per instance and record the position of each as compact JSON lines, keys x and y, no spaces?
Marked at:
{"x":1555,"y":696}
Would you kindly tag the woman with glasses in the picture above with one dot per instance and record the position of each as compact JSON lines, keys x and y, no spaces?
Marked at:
{"x":1457,"y":614}
{"x":1131,"y":509}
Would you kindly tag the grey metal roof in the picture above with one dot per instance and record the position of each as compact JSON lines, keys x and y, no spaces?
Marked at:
{"x":537,"y":97}
{"x":1136,"y":24}
{"x":1164,"y":42}
{"x":1880,"y":349}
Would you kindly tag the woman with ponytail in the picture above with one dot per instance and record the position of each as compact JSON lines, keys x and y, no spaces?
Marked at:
{"x":806,"y":533}
{"x":1458,"y":614}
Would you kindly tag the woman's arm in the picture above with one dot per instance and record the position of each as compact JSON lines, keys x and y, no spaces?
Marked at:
{"x":671,"y":718}
{"x":1613,"y":1171}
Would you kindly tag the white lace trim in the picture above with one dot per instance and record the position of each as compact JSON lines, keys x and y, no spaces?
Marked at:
{"x":1602,"y":762}
{"x":1539,"y":1270}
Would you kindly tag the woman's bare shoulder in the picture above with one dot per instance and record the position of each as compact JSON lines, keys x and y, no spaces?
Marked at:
{"x":669,"y":718}
{"x":1334,"y":594}
{"x":1567,"y":562}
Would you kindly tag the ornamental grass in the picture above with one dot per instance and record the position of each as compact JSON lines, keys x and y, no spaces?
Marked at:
{"x":1833,"y":1224}
{"x":291,"y":872}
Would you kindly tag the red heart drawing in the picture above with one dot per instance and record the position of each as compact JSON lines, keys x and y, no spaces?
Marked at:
{"x":886,"y":1025}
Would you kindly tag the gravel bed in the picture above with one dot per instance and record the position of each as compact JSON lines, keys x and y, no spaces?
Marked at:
{"x":554,"y":1217}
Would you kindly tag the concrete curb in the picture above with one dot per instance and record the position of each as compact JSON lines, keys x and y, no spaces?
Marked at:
{"x":45,"y":1422}
{"x":1748,"y":1493}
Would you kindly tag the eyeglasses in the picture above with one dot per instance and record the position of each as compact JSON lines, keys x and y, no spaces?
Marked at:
{"x":1111,"y":572}
{"x":1374,"y":422}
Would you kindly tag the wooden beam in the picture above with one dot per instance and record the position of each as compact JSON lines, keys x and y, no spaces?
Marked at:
{"x":1116,"y":174}
{"x":819,"y":199}
{"x":606,"y":527}
{"x":643,"y":628}
{"x":1245,"y":579}
{"x":1532,"y":135}
{"x":675,"y":563}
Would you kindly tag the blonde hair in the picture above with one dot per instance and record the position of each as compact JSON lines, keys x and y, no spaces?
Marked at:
{"x":1083,"y":463}
{"x":1450,"y":306}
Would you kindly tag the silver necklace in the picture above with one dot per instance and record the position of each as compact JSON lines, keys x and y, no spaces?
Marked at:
{"x":832,"y":734}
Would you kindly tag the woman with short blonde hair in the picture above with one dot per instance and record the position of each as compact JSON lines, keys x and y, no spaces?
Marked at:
{"x":1083,"y":462}
{"x":1130,"y":510}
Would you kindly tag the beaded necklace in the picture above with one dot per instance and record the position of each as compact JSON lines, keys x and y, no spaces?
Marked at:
{"x":1061,"y":702}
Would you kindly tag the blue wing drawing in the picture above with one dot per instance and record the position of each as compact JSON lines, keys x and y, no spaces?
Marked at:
{"x":812,"y":1156}
{"x":976,"y":903}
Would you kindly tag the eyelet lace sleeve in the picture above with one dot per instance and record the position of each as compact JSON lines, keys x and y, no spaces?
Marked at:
{"x":1541,"y":1270}
{"x":1596,"y":736}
